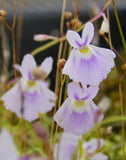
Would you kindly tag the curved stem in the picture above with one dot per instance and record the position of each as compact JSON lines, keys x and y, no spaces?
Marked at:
{"x":46,"y":46}
{"x":58,"y":75}
{"x":62,"y":17}
{"x":109,"y":33}
{"x":14,"y":16}
{"x":106,"y":39}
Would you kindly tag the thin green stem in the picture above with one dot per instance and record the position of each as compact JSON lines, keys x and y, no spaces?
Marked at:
{"x":65,"y":50}
{"x":122,"y":113}
{"x":109,"y":33}
{"x":67,"y":78}
{"x":106,"y":39}
{"x":44,"y":47}
{"x":57,"y":71}
{"x":80,"y":149}
{"x":14,"y":16}
{"x":59,"y":103}
{"x":62,"y":17}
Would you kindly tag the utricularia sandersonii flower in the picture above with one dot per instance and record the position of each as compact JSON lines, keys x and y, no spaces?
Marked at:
{"x":78,"y":113}
{"x":66,"y":148}
{"x":31,"y":95}
{"x":87,"y":63}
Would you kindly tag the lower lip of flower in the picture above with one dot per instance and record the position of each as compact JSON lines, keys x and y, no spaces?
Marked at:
{"x":79,"y":103}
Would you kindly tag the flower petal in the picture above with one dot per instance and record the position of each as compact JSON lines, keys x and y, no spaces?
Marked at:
{"x":71,"y":64}
{"x":18,"y":67}
{"x":12,"y":99}
{"x":8,"y":149}
{"x":74,"y":122}
{"x":74,"y":39}
{"x":92,"y":145}
{"x":27,"y":104}
{"x":27,"y":65}
{"x":90,"y":71}
{"x":68,"y":143}
{"x":47,"y":65}
{"x":99,"y":156}
{"x":87,"y":33}
{"x":61,"y":113}
{"x":74,"y":90}
{"x":90,"y":92}
{"x":35,"y":102}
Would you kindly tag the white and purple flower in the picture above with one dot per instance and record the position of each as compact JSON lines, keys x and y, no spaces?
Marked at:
{"x":65,"y":149}
{"x":30,"y":95}
{"x":78,"y":113}
{"x":87,"y":63}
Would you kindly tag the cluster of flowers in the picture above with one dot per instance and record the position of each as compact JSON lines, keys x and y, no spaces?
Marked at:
{"x":87,"y":66}
{"x":89,"y":150}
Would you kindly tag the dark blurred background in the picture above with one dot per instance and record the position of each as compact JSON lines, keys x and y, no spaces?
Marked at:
{"x":43,"y":16}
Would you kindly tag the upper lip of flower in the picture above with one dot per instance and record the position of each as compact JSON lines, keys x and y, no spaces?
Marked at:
{"x":77,"y":98}
{"x":76,"y":41}
{"x":84,"y":44}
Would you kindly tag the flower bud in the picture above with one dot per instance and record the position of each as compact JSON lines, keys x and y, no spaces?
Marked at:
{"x":68,"y":24}
{"x":39,"y":73}
{"x":76,"y":22}
{"x":1,"y":18}
{"x":3,"y":13}
{"x":40,"y":37}
{"x":124,"y":67}
{"x":108,"y":130}
{"x":104,"y":27}
{"x":61,"y":63}
{"x":68,"y":15}
{"x":43,"y":37}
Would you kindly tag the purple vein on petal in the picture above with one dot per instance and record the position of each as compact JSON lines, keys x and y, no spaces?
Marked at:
{"x":78,"y":44}
{"x":29,"y":75}
{"x":76,"y":96}
{"x":86,"y":40}
{"x":88,"y":147}
{"x":87,"y":96}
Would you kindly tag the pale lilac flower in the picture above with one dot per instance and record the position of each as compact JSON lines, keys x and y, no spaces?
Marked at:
{"x":91,"y":147}
{"x":8,"y":149}
{"x":65,"y":149}
{"x":30,"y":95}
{"x":78,"y":113}
{"x":87,"y":63}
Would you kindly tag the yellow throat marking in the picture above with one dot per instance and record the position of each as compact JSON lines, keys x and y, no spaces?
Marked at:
{"x":31,"y":84}
{"x":84,"y":50}
{"x":79,"y":103}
